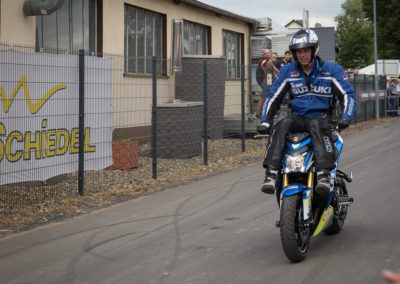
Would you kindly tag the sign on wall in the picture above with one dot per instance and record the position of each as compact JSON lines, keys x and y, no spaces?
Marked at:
{"x":39,"y":115}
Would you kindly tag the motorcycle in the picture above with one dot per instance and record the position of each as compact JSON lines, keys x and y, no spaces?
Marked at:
{"x":303,"y":213}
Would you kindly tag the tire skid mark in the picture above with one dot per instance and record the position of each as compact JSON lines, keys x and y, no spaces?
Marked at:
{"x":69,"y":276}
{"x":177,"y":248}
{"x":80,"y":232}
{"x":89,"y":249}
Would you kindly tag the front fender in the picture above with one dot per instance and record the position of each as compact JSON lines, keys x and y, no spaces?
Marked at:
{"x":293,"y":189}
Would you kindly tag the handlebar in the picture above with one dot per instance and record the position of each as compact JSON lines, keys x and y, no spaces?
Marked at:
{"x":261,"y":136}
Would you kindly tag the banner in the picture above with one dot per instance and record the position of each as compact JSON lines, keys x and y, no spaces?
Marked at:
{"x":39,"y":115}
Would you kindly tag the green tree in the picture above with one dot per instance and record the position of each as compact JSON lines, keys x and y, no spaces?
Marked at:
{"x":354,"y":35}
{"x":387,"y":26}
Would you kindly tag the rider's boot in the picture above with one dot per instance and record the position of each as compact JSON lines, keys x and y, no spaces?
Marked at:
{"x":270,"y":181}
{"x":323,"y":183}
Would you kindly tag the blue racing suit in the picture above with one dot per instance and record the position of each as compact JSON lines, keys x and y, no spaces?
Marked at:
{"x":312,"y":95}
{"x":312,"y":100}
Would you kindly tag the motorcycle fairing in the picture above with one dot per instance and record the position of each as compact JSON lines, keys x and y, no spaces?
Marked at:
{"x":325,"y":220}
{"x":339,"y":147}
{"x":296,"y":148}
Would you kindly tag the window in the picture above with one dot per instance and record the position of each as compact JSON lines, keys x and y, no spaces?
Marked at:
{"x":233,"y":52}
{"x":72,"y":27}
{"x":195,"y":39}
{"x":144,"y":38}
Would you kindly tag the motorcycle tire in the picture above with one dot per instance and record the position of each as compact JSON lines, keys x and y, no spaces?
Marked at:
{"x":295,"y":236}
{"x":340,"y":211}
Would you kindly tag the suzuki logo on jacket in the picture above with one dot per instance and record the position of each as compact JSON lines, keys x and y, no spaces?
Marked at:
{"x":297,"y":90}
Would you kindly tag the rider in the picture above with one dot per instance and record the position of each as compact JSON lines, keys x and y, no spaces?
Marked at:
{"x":314,"y":86}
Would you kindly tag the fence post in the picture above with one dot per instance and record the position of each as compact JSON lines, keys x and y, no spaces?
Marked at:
{"x":377,"y":107}
{"x":81,"y":159}
{"x":242,"y":107}
{"x":355,"y":95}
{"x":364,"y":83}
{"x":154,"y":119}
{"x":205,"y":112}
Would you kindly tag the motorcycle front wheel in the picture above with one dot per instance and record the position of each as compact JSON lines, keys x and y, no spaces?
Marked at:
{"x":295,"y":233}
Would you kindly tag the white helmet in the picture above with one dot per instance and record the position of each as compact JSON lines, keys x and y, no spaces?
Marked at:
{"x":304,"y":38}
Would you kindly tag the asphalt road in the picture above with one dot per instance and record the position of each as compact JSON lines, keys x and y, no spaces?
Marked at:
{"x":222,"y":230}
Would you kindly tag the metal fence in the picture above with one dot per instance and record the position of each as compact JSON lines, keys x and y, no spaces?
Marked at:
{"x":134,"y":127}
{"x":364,"y":88}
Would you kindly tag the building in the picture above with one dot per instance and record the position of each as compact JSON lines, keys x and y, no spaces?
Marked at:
{"x":134,"y":31}
{"x":326,"y":37}
{"x":294,"y":24}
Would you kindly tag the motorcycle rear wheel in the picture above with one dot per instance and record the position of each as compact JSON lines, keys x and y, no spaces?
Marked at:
{"x":295,"y":234}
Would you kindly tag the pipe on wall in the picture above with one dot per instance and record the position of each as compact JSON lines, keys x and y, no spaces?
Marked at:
{"x":41,"y":7}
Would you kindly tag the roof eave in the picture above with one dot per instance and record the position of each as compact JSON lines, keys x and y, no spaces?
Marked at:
{"x":218,"y":11}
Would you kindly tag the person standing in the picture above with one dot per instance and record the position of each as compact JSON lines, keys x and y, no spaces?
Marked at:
{"x":265,"y":75}
{"x":274,"y":60}
{"x":392,"y":98}
{"x":287,"y":58}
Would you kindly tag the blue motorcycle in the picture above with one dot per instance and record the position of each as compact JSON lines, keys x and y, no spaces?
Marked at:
{"x":303,"y":213}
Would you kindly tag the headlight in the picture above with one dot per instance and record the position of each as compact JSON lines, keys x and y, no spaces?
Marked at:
{"x":295,"y":163}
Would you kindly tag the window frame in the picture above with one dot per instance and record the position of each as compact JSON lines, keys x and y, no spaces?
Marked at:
{"x":240,"y":54}
{"x":208,"y":37}
{"x":94,"y":37}
{"x":161,"y":62}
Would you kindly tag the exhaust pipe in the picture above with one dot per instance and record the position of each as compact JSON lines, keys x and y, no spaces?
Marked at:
{"x":41,"y":7}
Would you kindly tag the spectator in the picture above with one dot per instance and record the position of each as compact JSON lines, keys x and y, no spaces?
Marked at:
{"x":265,"y":75}
{"x":282,"y":62}
{"x":285,"y":60}
{"x":392,"y":98}
{"x":274,"y":61}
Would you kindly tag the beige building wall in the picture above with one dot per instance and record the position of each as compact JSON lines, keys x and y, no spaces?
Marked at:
{"x":113,"y":23}
{"x":113,"y":43}
{"x":15,"y":27}
{"x":134,"y":92}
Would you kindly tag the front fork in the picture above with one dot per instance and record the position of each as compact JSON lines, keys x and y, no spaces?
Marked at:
{"x":307,"y":194}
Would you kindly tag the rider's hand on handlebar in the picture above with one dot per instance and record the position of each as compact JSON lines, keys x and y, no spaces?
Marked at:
{"x":343,"y":124}
{"x":263,"y":128}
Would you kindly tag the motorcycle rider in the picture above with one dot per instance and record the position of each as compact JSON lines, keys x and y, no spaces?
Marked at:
{"x":314,"y":87}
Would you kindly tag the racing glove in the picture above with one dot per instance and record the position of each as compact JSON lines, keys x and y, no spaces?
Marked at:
{"x":263,"y":128}
{"x":343,"y":124}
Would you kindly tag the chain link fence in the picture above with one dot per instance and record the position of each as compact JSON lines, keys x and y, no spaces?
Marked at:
{"x":134,"y":126}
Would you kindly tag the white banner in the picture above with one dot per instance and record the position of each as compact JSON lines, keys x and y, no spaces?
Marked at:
{"x":39,"y":115}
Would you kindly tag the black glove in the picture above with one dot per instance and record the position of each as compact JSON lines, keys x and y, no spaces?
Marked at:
{"x":263,"y":128}
{"x":343,"y":124}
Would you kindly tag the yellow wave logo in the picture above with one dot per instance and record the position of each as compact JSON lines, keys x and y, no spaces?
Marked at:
{"x":33,"y":107}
